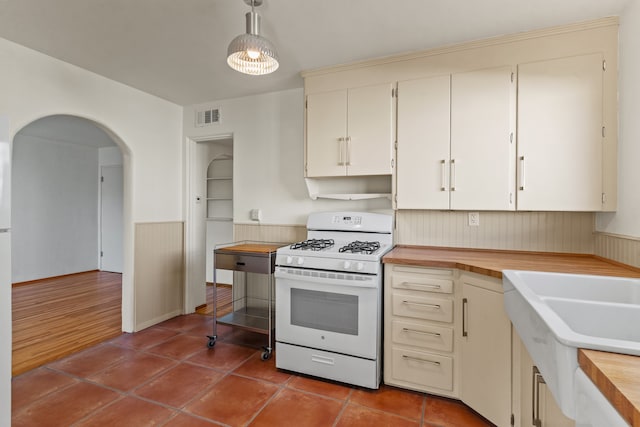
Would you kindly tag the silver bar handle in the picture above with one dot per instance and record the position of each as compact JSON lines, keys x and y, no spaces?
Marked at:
{"x":453,"y":174}
{"x":522,"y":173}
{"x":415,"y":331}
{"x":537,"y":379}
{"x":340,"y":151}
{"x":424,"y":285}
{"x":322,"y":359}
{"x":465,"y":333}
{"x":443,"y":177}
{"x":348,"y":150}
{"x":422,"y":304}
{"x":433,"y":362}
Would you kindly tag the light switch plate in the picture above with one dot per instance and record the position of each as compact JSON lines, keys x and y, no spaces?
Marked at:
{"x":255,"y":214}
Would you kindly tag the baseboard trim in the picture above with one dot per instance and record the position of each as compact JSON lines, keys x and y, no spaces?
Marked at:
{"x":31,"y":282}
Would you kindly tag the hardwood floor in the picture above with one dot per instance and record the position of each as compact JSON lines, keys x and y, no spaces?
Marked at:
{"x":55,"y":317}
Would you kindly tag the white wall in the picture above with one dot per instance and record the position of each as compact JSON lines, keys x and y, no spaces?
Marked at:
{"x":148,"y":129}
{"x":626,"y":221}
{"x":54,"y":208}
{"x":268,"y":145}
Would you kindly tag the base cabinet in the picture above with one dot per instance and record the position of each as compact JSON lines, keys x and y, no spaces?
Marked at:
{"x":537,"y":405}
{"x":420,"y":352}
{"x":485,"y":349}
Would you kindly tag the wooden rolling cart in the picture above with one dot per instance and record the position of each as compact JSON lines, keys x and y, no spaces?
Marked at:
{"x":248,"y":313}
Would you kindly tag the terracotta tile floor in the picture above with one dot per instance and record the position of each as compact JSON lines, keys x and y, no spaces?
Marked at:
{"x":166,"y":376}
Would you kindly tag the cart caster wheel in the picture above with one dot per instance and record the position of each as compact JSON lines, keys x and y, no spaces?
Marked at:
{"x":266,"y":355}
{"x":211,"y":343}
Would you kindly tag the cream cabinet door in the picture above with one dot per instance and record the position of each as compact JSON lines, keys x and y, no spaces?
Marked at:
{"x":370,"y":130}
{"x":537,"y":405}
{"x":482,"y":139}
{"x":422,"y":180}
{"x":560,"y":118}
{"x":485,"y":350}
{"x":326,"y":123}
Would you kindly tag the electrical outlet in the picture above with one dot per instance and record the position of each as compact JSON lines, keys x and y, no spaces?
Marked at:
{"x":474,"y":219}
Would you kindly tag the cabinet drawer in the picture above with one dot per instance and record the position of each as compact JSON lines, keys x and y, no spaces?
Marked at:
{"x":425,"y":336}
{"x":421,"y":282}
{"x":423,"y":369}
{"x":242,"y":262}
{"x":422,"y":307}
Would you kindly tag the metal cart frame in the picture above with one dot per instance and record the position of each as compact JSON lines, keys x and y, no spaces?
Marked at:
{"x":247,"y":257}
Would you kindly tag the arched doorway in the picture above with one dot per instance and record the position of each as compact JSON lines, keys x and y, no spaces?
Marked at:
{"x":56,"y":203}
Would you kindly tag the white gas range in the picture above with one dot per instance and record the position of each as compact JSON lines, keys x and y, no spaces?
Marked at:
{"x":329,"y":297}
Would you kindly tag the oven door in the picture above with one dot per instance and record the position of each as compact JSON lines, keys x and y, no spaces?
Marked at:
{"x":338,"y":312}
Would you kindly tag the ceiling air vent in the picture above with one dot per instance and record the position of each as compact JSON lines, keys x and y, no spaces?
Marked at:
{"x":207,"y":117}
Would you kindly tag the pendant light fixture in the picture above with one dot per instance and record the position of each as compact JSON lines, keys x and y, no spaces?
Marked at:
{"x":251,"y":53}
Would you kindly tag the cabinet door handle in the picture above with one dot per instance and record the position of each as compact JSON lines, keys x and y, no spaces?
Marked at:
{"x":422,"y":285}
{"x":453,"y":174}
{"x":535,"y":396}
{"x":464,"y":317}
{"x":340,"y":151}
{"x":443,"y":177}
{"x":348,"y":151}
{"x":415,"y":331}
{"x":521,"y":173}
{"x":422,"y":304}
{"x":433,"y":362}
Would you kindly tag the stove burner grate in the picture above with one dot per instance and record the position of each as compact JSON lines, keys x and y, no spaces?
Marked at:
{"x":313,"y":244}
{"x":361,"y":247}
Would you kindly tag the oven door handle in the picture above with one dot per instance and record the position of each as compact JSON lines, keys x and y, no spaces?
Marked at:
{"x":371,"y":281}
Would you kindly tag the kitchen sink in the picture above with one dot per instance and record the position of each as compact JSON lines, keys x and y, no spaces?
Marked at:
{"x":555,"y":314}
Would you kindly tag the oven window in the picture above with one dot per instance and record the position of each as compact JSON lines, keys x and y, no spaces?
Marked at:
{"x":325,"y":311}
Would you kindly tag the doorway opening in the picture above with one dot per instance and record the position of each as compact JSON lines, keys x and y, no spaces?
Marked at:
{"x":57,"y":219}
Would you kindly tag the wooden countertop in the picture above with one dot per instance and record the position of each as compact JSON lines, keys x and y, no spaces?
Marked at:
{"x":493,"y":262}
{"x":617,"y":376}
{"x":258,"y":248}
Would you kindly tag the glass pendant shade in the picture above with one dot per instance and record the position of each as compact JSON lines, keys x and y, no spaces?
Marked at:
{"x":250,"y":53}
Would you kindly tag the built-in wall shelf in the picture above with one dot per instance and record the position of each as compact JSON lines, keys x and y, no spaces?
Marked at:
{"x":220,"y":189}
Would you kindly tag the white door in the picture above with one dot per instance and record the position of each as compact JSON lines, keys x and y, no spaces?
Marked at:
{"x":560,"y":134}
{"x":423,"y":143}
{"x":111,"y":219}
{"x":482,"y":149}
{"x":369,"y":142}
{"x":326,"y":134}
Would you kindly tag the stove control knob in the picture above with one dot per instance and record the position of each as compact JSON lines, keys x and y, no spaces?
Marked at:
{"x":359,"y":266}
{"x":289,"y":260}
{"x":347,"y":265}
{"x":300,"y":260}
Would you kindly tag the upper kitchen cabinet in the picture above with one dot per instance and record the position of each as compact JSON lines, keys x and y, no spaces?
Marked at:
{"x":456,"y":147}
{"x":561,"y":130}
{"x":349,"y":132}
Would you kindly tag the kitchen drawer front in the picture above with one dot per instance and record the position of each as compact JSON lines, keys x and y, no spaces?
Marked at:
{"x":423,"y":369}
{"x":249,"y":263}
{"x":422,"y":307}
{"x":421,"y":282}
{"x":424,"y":336}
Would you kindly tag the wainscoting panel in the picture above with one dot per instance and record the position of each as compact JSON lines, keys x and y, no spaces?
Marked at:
{"x":158,"y":272}
{"x":618,"y":248}
{"x":530,"y":231}
{"x":270,"y":233}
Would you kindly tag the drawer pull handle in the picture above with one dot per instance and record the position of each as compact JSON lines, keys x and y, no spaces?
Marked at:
{"x":404,"y":356}
{"x":424,"y":285}
{"x":240,"y":263}
{"x":323,"y":360}
{"x":421,"y":304}
{"x":415,"y":331}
